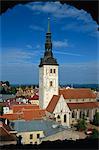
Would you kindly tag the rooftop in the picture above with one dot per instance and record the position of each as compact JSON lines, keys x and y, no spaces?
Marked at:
{"x":52,"y":104}
{"x":83,"y":105}
{"x":77,"y":93}
{"x":38,"y":125}
{"x":6,"y":96}
{"x":19,"y":108}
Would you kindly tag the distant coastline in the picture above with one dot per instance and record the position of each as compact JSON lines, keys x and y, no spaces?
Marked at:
{"x":92,"y":86}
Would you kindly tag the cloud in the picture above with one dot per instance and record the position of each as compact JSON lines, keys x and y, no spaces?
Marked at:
{"x":81,"y":27}
{"x":18,"y":56}
{"x":37,"y":28}
{"x":38,"y":46}
{"x":81,"y":73}
{"x":60,"y":11}
{"x":19,"y":66}
{"x":60,"y":44}
{"x":29,"y":46}
{"x":66,"y":53}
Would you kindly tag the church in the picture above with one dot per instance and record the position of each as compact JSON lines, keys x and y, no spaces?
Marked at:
{"x":66,"y":106}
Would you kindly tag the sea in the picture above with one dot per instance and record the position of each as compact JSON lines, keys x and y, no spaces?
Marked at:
{"x":92,"y":86}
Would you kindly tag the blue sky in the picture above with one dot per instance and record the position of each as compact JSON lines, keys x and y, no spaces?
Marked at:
{"x":74,"y":38}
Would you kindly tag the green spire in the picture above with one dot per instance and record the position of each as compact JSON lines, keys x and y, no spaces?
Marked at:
{"x":48,"y":25}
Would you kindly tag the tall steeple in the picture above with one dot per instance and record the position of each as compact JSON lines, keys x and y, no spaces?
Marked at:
{"x":48,"y":55}
{"x":48,"y":43}
{"x":48,"y":73}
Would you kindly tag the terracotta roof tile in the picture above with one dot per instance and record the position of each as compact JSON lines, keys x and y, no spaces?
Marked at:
{"x":14,"y":116}
{"x":52,"y":104}
{"x":83,"y":105}
{"x":27,"y":114}
{"x":33,"y":114}
{"x":77,"y":93}
{"x":35,"y":97}
{"x":19,"y":108}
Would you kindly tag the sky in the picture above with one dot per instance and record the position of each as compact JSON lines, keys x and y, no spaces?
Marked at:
{"x":74,"y":38}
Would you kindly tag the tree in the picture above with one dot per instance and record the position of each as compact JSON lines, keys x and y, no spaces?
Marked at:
{"x":95,"y":134}
{"x":13,"y":90}
{"x":81,"y":126}
{"x":96,"y":119}
{"x":7,"y":83}
{"x":3,"y":91}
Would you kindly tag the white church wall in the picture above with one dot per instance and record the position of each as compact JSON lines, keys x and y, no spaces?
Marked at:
{"x":62,"y":109}
{"x":46,"y":91}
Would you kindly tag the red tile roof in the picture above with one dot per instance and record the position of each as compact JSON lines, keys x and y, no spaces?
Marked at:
{"x":20,"y":108}
{"x":35,"y":97}
{"x":83,"y":105}
{"x":77,"y":93}
{"x":14,"y":116}
{"x":26,"y":114}
{"x":52,"y":104}
{"x":33,"y":114}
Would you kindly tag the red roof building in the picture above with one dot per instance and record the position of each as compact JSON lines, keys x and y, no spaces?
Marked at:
{"x":35,"y":97}
{"x":84,"y":105}
{"x":20,"y":108}
{"x":77,"y":93}
{"x":52,"y":104}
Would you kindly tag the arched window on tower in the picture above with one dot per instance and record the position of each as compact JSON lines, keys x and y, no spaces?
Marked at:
{"x":51,"y":83}
{"x":54,"y":70}
{"x":50,"y":70}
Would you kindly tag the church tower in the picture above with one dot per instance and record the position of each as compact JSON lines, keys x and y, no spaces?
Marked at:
{"x":48,"y":73}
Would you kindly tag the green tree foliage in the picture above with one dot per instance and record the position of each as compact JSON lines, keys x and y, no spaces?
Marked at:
{"x":12,"y":90}
{"x":96,"y":119}
{"x":95,"y":134}
{"x":2,"y":90}
{"x":7,"y":83}
{"x":81,"y":126}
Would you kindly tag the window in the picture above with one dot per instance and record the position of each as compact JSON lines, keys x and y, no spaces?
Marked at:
{"x":54,"y":70}
{"x":80,"y":114}
{"x":50,"y":70}
{"x":65,"y":118}
{"x":31,"y":136}
{"x":73,"y":114}
{"x":58,"y":116}
{"x":87,"y":113}
{"x":38,"y":136}
{"x":51,"y":83}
